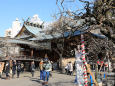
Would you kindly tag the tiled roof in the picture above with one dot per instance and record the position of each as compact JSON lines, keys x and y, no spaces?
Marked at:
{"x":40,"y":34}
{"x":34,"y":30}
{"x":23,"y":36}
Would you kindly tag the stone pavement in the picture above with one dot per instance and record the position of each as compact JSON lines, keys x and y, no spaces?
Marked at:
{"x":57,"y":79}
{"x":25,"y":79}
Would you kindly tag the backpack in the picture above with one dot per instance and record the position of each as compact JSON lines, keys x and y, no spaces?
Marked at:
{"x":46,"y":66}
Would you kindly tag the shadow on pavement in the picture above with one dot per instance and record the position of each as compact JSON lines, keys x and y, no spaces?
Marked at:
{"x":62,"y":84}
{"x":27,"y":76}
{"x":3,"y":77}
{"x":36,"y":80}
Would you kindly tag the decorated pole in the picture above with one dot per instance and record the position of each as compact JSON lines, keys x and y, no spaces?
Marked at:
{"x":84,"y":60}
{"x":85,"y":65}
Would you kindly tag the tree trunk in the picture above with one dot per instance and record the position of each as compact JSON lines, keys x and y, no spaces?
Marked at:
{"x":61,"y":63}
{"x":61,"y":66}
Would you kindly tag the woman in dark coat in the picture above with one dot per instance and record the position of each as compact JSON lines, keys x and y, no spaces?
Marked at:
{"x":32,"y":68}
{"x":18,"y":69}
{"x":13,"y":68}
{"x":7,"y":69}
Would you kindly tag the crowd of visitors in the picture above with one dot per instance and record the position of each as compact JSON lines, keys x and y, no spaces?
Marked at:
{"x":45,"y":66}
{"x":13,"y":67}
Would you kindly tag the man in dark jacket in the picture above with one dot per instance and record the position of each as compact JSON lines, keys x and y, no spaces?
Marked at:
{"x":18,"y":69}
{"x":32,"y":68}
{"x":13,"y":68}
{"x":7,"y":69}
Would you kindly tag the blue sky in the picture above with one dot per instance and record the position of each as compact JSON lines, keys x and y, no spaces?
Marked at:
{"x":12,"y":9}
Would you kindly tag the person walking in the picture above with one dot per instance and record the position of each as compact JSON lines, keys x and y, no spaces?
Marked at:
{"x":46,"y":71}
{"x":32,"y":68}
{"x":50,"y":70}
{"x":22,"y":67}
{"x":41,"y":69}
{"x":13,"y":68}
{"x":7,"y":69}
{"x":67,"y":68}
{"x":74,"y":67}
{"x":70,"y":67}
{"x":18,"y":69}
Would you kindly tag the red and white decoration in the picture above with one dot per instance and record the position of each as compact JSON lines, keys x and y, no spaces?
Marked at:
{"x":84,"y":60}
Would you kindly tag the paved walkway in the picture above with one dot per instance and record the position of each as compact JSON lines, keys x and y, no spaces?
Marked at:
{"x":26,"y":80}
